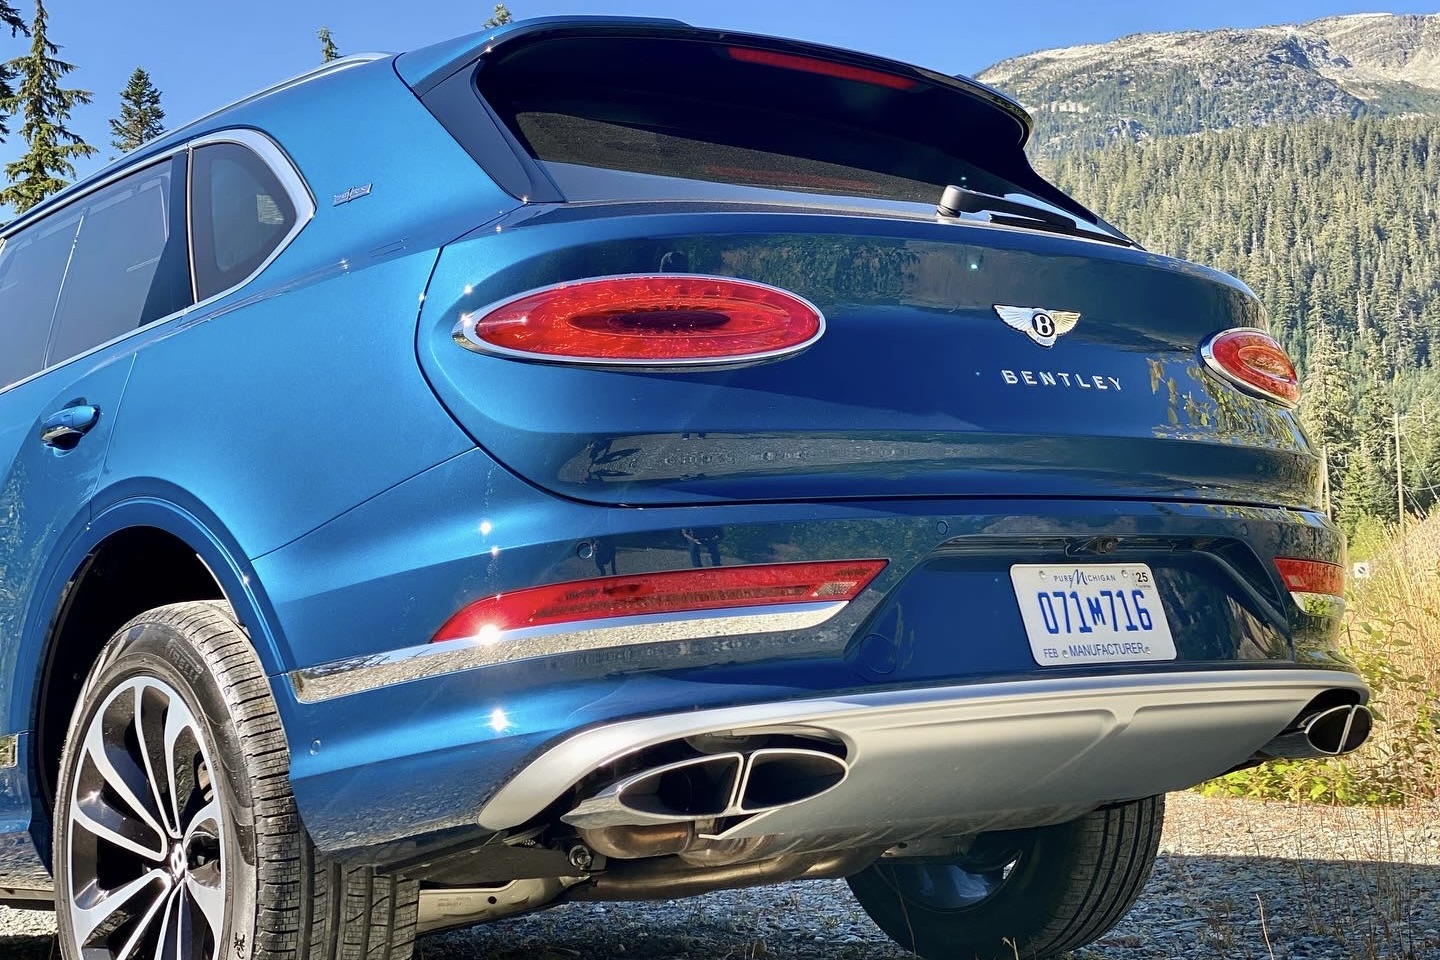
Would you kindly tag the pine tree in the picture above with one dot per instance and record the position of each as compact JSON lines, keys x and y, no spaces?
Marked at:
{"x":45,"y":106}
{"x":140,"y":113}
{"x":500,"y":18}
{"x":9,"y":17}
{"x":328,"y":50}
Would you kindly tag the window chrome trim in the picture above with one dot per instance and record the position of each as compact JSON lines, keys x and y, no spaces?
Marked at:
{"x":270,"y":154}
{"x":285,"y":173}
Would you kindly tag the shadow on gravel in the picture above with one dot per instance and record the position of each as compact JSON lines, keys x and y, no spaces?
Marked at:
{"x":26,"y":947}
{"x":1195,"y":908}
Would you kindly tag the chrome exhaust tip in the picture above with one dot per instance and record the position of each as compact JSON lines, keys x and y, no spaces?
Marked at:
{"x":712,"y":790}
{"x":700,"y":788}
{"x":1329,"y":732}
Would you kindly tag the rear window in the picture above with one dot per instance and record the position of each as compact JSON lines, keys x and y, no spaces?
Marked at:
{"x":712,"y":111}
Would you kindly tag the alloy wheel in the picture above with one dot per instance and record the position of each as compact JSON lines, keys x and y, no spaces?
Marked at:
{"x":147,"y":857}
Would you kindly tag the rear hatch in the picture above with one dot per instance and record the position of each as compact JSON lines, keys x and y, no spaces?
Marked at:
{"x":952,"y":361}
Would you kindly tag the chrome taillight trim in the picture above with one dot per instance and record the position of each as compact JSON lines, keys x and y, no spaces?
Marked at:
{"x":465,"y":336}
{"x":1214,"y":365}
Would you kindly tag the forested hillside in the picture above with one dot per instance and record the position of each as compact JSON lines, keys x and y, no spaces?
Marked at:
{"x":1334,"y":225}
{"x":1160,"y":84}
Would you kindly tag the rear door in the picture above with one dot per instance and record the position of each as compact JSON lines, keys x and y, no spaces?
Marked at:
{"x":72,"y":285}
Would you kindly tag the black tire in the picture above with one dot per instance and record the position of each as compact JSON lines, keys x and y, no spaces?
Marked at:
{"x":244,"y":881}
{"x":1029,"y":894}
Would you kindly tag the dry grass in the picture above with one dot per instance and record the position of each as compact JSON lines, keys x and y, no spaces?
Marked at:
{"x":1393,"y":633}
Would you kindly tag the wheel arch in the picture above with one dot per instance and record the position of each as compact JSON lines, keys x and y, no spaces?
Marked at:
{"x":135,"y":554}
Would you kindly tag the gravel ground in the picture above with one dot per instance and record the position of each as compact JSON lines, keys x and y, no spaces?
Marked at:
{"x":1235,"y":879}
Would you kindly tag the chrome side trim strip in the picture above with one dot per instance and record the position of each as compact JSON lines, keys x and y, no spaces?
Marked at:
{"x":1042,"y":732}
{"x":341,"y":678}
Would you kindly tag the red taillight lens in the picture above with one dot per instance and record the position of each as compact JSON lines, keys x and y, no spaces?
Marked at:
{"x":659,"y":320}
{"x":1253,"y":360}
{"x":677,"y":591}
{"x":1312,"y":576}
{"x":826,"y":68}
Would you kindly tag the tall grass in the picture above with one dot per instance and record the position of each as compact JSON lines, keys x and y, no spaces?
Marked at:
{"x":1392,"y":632}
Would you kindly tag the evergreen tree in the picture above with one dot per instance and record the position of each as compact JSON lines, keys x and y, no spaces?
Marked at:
{"x":140,"y":113}
{"x":328,"y":50}
{"x":499,"y":19}
{"x":9,"y":17}
{"x":45,"y":107}
{"x":1325,"y":407}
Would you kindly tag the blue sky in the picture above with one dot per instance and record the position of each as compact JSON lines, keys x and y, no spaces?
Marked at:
{"x":203,"y":53}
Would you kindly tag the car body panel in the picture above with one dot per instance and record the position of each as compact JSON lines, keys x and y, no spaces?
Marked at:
{"x":918,"y":387}
{"x":401,"y":759}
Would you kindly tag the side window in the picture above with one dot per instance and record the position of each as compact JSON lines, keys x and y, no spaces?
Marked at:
{"x":239,"y":214}
{"x":129,"y":264}
{"x":32,"y":264}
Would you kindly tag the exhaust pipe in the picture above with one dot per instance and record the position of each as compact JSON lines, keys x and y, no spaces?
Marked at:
{"x":700,"y":788}
{"x":705,"y":788}
{"x":1327,"y":733}
{"x":782,"y":776}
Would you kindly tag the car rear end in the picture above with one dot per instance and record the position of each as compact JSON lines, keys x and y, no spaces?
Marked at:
{"x":805,"y":521}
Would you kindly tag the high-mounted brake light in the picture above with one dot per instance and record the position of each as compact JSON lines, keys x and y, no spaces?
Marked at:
{"x":1311,"y":577}
{"x":676,"y":591}
{"x":827,"y":68}
{"x":1254,"y":361}
{"x":666,"y":319}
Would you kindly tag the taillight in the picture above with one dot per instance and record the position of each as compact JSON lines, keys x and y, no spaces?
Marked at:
{"x":649,"y":594}
{"x":646,"y":320}
{"x":1253,"y":360}
{"x":826,"y":68}
{"x":1305,"y":578}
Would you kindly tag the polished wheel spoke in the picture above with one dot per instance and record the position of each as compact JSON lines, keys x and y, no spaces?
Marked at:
{"x":167,"y":944}
{"x":143,"y":928}
{"x":146,"y":851}
{"x":120,"y":774}
{"x":112,"y":826}
{"x":178,"y":722}
{"x":162,"y":792}
{"x":109,"y":909}
{"x":209,"y":902}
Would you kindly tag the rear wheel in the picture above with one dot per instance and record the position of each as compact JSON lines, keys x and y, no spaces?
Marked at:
{"x":1033,"y":894}
{"x":176,"y":835}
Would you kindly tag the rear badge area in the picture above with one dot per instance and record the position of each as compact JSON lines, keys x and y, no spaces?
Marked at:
{"x":1092,"y":613}
{"x":1040,"y":324}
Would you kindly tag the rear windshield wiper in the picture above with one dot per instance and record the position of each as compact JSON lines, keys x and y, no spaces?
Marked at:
{"x":957,"y":200}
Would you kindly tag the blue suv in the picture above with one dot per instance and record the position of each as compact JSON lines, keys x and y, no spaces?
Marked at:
{"x":606,"y":459}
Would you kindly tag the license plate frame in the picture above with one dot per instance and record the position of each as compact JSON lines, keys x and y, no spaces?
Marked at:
{"x":1092,"y":613}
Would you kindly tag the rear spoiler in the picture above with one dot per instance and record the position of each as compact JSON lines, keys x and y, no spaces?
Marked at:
{"x":429,"y":67}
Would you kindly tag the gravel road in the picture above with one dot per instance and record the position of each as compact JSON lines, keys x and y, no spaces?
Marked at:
{"x":1236,"y":880}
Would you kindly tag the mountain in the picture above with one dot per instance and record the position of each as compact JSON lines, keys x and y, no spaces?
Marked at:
{"x":1158,"y":84}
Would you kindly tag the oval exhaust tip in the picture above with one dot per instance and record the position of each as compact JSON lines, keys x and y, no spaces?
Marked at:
{"x":1339,"y":729}
{"x":781,"y":776}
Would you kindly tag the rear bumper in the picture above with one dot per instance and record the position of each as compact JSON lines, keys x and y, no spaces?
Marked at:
{"x":396,"y":743}
{"x":969,"y":756}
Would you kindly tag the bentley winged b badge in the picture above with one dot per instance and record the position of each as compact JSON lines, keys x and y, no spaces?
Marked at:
{"x":1039,"y":324}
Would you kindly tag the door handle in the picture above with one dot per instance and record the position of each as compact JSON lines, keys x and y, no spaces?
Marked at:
{"x":64,"y":428}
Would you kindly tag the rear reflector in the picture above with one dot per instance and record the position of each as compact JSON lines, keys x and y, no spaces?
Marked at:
{"x":677,"y":591}
{"x":827,"y":68}
{"x":1253,"y":360}
{"x":1312,"y":576}
{"x":646,"y":320}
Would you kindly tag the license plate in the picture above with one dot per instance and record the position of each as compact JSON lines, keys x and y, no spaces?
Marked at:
{"x":1092,"y":613}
